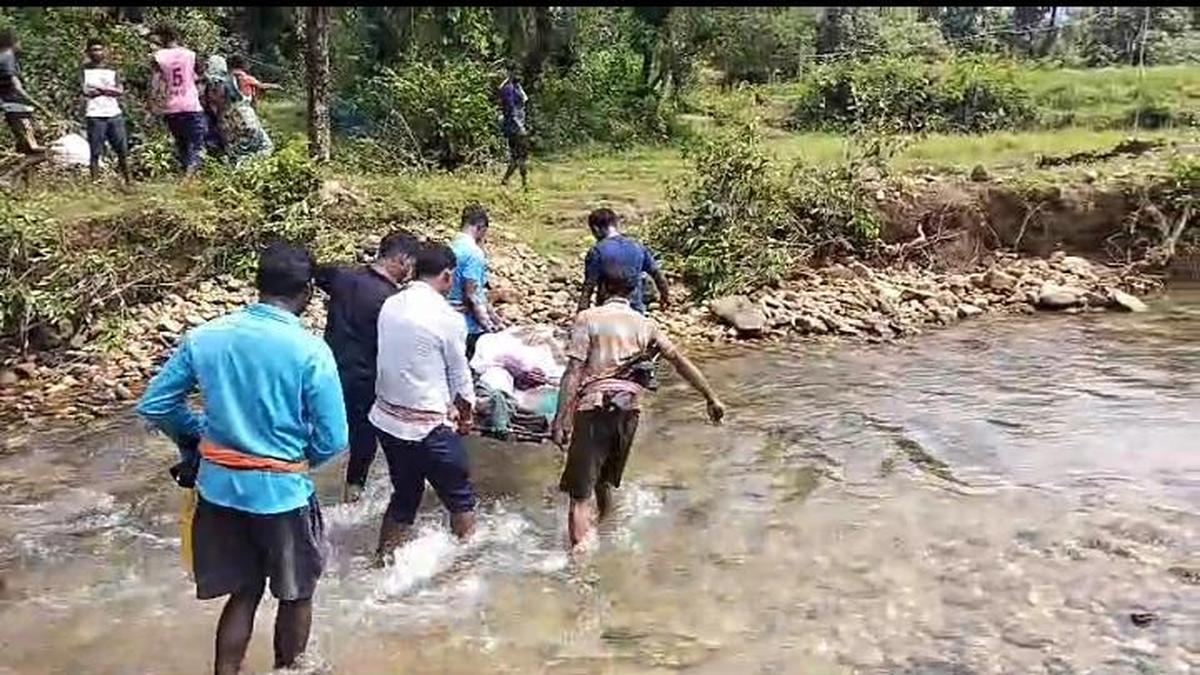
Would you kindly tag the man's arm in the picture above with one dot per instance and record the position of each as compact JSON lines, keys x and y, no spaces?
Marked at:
{"x":568,"y":393}
{"x":325,"y":408}
{"x":19,"y":89}
{"x":165,"y":402}
{"x":692,"y":375}
{"x":591,"y":278}
{"x":651,"y":266}
{"x":458,"y":375}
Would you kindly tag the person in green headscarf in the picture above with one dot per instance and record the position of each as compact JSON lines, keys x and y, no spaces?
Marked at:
{"x":240,"y":127}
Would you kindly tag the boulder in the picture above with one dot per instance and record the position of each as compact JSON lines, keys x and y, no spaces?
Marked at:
{"x":999,"y":281}
{"x":8,"y":378}
{"x":740,"y":313}
{"x":1126,"y":302}
{"x":967,"y":310}
{"x":1055,"y":297}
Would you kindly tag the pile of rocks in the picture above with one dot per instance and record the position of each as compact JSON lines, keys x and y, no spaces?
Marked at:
{"x":879,"y":304}
{"x":96,"y":375}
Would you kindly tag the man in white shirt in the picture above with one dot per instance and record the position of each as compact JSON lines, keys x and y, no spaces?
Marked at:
{"x":105,"y":122}
{"x":423,"y":387}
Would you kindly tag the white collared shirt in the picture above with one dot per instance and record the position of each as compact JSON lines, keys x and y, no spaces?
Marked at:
{"x":422,"y":363}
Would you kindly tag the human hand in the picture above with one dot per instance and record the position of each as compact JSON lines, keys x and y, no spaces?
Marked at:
{"x":464,"y":424}
{"x":560,"y":435}
{"x":716,"y":411}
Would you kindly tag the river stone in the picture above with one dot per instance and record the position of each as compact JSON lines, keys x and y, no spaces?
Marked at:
{"x":1126,"y":302}
{"x":967,"y":310}
{"x":738,"y":311}
{"x":1055,"y":297}
{"x":999,"y":281}
{"x":8,"y":378}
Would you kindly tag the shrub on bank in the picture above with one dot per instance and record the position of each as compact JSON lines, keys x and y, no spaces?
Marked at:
{"x":738,"y":222}
{"x":55,"y":276}
{"x":908,"y":94}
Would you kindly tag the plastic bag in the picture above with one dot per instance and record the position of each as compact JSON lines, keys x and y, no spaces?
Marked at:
{"x":71,"y":150}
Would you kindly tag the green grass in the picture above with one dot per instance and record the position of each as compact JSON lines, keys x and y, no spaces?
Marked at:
{"x":1107,"y":97}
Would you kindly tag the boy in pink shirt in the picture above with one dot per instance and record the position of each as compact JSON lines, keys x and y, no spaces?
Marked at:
{"x":175,"y":74}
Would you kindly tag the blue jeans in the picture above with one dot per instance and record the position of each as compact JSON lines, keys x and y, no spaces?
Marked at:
{"x":441,"y":458}
{"x":187,"y":128}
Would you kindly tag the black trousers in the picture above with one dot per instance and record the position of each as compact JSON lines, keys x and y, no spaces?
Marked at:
{"x":363,"y":435}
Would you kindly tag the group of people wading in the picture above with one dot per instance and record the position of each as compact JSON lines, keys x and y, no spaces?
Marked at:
{"x":393,"y":370}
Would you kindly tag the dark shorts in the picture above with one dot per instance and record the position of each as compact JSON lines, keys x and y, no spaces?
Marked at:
{"x":439,"y":458}
{"x":599,"y":448}
{"x":110,"y":130}
{"x":472,"y":340}
{"x":235,"y":551}
{"x":518,"y":146}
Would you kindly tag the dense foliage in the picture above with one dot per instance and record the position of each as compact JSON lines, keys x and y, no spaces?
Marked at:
{"x":740,"y":221}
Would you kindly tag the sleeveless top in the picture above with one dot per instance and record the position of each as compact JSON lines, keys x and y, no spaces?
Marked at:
{"x":177,"y":66}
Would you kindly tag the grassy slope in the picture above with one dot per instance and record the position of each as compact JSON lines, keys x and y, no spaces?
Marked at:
{"x":550,"y":216}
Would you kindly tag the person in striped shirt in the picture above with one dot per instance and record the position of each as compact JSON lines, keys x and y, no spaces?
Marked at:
{"x":599,"y":400}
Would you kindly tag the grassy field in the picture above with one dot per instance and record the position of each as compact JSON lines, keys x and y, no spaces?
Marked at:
{"x":1106,"y":97}
{"x":551,"y":214}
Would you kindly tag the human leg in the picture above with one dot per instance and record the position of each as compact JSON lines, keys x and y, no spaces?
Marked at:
{"x":448,"y":470}
{"x":96,"y":132}
{"x":118,"y":140}
{"x":585,"y":455}
{"x":194,"y":130}
{"x":293,"y":545}
{"x":363,"y":437}
{"x":408,"y":486}
{"x":176,"y":127}
{"x":619,"y":429}
{"x":235,"y":628}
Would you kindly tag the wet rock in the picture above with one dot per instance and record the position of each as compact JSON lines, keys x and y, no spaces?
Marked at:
{"x":1054,"y":297}
{"x":740,"y":313}
{"x":966,"y":310}
{"x":1142,"y":619}
{"x":1021,"y":636}
{"x":998,"y":280}
{"x":1126,"y":302}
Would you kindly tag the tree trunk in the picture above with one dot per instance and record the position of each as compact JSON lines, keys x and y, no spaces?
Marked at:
{"x":317,"y":58}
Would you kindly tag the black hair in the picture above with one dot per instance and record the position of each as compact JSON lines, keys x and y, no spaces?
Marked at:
{"x":284,"y":270}
{"x":617,"y":280}
{"x":95,"y":42}
{"x":167,"y":33}
{"x":8,"y":38}
{"x":399,"y":243}
{"x":601,"y":219}
{"x":434,"y":258}
{"x":474,"y":214}
{"x":237,"y":61}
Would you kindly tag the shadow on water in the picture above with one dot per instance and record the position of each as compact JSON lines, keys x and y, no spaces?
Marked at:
{"x":997,"y":497}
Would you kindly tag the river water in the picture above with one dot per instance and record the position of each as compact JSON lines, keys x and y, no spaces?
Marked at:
{"x":999,"y":497}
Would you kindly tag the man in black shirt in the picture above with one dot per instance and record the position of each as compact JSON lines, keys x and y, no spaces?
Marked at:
{"x":17,"y":106}
{"x":355,"y":297}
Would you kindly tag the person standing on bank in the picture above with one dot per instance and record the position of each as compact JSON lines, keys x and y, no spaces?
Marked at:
{"x":424,"y":400}
{"x":105,"y":120}
{"x":18,"y":106}
{"x":175,"y":75}
{"x":512,"y":123}
{"x":352,"y":331}
{"x":272,"y":411}
{"x":469,"y":292}
{"x":599,"y":401}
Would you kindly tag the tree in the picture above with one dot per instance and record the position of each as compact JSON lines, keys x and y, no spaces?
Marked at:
{"x":317,"y":57}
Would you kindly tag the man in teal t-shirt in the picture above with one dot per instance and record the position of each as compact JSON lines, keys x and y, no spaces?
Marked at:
{"x":469,"y":293}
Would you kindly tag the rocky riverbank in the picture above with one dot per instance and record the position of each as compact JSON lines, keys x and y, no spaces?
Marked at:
{"x":104,"y":370}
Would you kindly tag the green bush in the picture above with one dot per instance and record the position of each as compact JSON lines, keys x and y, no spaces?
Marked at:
{"x":55,"y":276}
{"x":737,"y":222}
{"x":600,"y":99}
{"x":427,"y":114}
{"x":962,"y":95}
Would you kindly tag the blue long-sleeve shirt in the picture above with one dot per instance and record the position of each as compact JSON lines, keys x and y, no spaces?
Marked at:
{"x":270,"y":388}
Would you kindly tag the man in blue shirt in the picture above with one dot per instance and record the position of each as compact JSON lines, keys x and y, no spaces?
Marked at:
{"x":272,"y":410}
{"x":469,"y":292}
{"x":619,"y":253}
{"x":512,"y":111}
